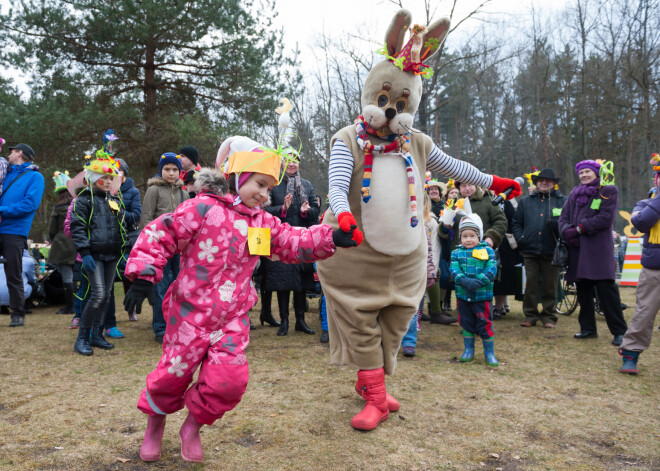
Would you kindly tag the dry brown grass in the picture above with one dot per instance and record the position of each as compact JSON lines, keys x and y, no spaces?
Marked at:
{"x":554,"y":403}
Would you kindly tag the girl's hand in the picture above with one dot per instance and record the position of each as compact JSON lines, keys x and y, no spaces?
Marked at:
{"x":287,"y":201}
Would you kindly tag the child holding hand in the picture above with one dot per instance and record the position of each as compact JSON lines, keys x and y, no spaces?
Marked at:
{"x":473,"y":268}
{"x":220,"y":235}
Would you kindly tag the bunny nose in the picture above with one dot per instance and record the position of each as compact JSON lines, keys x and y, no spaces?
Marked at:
{"x":390,"y":113}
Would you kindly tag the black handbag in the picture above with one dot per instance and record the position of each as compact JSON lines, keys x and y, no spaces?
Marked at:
{"x":560,"y":255}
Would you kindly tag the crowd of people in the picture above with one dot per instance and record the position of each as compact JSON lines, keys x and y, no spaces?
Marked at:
{"x":474,"y":246}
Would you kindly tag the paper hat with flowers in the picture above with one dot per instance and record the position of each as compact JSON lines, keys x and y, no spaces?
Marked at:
{"x":104,"y":163}
{"x":655,"y":162}
{"x":238,"y":154}
{"x":60,"y":180}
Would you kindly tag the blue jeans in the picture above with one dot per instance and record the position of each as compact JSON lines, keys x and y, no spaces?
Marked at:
{"x":410,"y":339}
{"x":101,"y":282}
{"x":170,"y":272}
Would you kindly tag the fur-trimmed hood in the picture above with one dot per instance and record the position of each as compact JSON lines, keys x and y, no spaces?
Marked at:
{"x":160,"y":181}
{"x":210,"y":180}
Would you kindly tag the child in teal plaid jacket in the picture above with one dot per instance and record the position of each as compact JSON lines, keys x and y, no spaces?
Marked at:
{"x":473,"y":268}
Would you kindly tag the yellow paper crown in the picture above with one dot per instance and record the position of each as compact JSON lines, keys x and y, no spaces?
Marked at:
{"x":267,"y":162}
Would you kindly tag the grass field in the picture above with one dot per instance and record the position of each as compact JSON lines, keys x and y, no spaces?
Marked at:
{"x":554,"y":403}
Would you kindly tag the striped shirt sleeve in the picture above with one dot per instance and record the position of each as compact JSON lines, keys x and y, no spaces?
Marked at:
{"x":340,"y":170}
{"x":460,"y":171}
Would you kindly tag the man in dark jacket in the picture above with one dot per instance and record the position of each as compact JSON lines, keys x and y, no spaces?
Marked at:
{"x":535,"y":228}
{"x":22,"y":191}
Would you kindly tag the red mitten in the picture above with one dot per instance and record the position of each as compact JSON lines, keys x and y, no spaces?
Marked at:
{"x":346,"y":220}
{"x":501,"y":184}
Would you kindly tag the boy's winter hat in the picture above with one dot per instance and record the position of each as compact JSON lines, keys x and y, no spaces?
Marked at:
{"x":590,"y":164}
{"x":168,"y":158}
{"x":191,"y":152}
{"x":473,"y":222}
{"x":60,"y":180}
{"x":123,"y":166}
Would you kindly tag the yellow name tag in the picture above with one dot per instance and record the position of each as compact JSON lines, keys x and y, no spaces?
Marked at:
{"x":480,"y":254}
{"x":259,"y":241}
{"x":113,"y":205}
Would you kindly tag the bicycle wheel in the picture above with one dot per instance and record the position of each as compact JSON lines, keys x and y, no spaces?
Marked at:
{"x":566,"y":296}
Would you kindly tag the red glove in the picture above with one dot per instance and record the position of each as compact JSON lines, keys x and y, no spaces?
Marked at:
{"x":501,"y":184}
{"x":346,"y":220}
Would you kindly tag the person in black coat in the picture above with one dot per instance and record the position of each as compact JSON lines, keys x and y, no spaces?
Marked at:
{"x":99,"y":234}
{"x":535,"y":229}
{"x":294,"y":202}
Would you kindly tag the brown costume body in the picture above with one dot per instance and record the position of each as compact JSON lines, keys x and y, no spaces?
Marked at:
{"x":371,"y":295}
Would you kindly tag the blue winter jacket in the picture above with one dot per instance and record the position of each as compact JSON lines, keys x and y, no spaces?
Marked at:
{"x":132,"y":204}
{"x":645,"y":215}
{"x":21,"y":201}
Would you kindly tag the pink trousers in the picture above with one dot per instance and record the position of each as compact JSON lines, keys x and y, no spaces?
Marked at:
{"x":223,"y":375}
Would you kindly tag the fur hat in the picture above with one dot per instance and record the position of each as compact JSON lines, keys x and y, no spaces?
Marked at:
{"x":191,"y":152}
{"x":471,"y":221}
{"x":590,"y":164}
{"x":168,"y":158}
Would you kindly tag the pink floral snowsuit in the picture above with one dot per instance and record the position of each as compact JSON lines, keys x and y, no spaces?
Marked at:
{"x":206,"y":306}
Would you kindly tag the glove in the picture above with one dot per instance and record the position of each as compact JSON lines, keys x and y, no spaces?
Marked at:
{"x":470,"y":284}
{"x":552,"y":226}
{"x":88,"y":263}
{"x":572,"y":237}
{"x":501,"y":184}
{"x":139,"y":290}
{"x":344,"y":239}
{"x":346,"y":220}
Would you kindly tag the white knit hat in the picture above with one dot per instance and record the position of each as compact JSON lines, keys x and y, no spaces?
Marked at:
{"x":472,"y":221}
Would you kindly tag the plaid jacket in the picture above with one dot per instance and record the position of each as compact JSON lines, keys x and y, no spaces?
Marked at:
{"x":464,"y":264}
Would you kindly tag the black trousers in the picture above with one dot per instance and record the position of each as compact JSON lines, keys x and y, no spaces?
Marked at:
{"x":12,"y":247}
{"x":610,"y":303}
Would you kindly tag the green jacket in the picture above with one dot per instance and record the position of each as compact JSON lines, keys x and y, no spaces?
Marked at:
{"x":464,"y":264}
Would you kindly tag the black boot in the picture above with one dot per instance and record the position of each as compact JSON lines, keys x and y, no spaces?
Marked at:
{"x":266,"y":315}
{"x":68,"y":300}
{"x":442,"y":318}
{"x":17,"y":320}
{"x":283,"y":304}
{"x":301,"y":326}
{"x":98,"y":340}
{"x":82,"y":345}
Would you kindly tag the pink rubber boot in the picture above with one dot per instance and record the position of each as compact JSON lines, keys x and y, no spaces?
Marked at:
{"x":376,"y":408}
{"x":153,"y":436}
{"x":392,"y":404}
{"x":191,"y":443}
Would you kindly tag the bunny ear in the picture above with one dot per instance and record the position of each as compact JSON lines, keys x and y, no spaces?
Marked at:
{"x":397,"y":30}
{"x":434,"y":36}
{"x":467,"y":207}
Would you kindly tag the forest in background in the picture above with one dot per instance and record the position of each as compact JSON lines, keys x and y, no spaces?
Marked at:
{"x":582,"y":83}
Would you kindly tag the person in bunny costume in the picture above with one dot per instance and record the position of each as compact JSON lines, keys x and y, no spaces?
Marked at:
{"x":375,"y":176}
{"x":220,"y":235}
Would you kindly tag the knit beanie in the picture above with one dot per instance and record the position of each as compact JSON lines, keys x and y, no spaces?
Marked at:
{"x":472,"y":222}
{"x":168,"y":158}
{"x":123,"y":166}
{"x":191,"y":152}
{"x":590,"y":164}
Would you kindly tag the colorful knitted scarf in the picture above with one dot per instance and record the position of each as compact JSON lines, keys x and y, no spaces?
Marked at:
{"x":400,"y":144}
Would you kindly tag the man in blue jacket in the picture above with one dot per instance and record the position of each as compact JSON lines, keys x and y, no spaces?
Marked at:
{"x":22,"y":191}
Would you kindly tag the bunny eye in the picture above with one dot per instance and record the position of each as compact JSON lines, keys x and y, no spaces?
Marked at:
{"x":401,"y":104}
{"x":383,"y":98}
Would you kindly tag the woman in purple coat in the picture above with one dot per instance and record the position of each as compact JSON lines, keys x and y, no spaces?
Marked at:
{"x":586,"y":222}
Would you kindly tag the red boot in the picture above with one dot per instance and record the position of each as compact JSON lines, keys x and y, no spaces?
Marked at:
{"x":191,"y":443}
{"x":392,"y":404}
{"x":373,"y":391}
{"x":153,"y":436}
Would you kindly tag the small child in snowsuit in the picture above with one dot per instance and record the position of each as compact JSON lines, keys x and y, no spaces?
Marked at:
{"x":220,"y":235}
{"x":473,"y":268}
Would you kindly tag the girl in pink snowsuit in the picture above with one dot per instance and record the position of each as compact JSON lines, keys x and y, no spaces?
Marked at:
{"x":206,"y":308}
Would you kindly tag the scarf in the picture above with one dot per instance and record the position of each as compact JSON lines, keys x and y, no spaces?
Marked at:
{"x":295,"y":187}
{"x":399,"y":145}
{"x":585,"y":192}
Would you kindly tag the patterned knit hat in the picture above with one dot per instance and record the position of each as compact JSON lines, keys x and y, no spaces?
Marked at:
{"x":590,"y":164}
{"x":472,"y":222}
{"x":60,"y":180}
